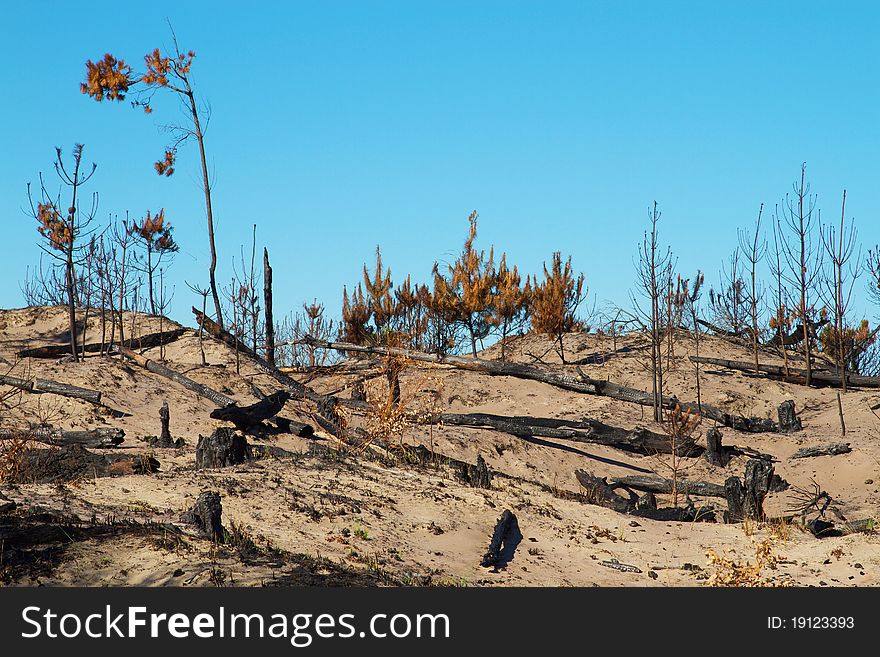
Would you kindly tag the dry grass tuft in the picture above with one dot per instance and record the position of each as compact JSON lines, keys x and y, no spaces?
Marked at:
{"x":728,"y":572}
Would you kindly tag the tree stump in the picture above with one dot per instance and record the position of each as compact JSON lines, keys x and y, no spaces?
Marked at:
{"x":222,"y":448}
{"x":476,"y":476}
{"x":715,"y":453}
{"x":758,"y":476}
{"x":165,"y":419}
{"x":206,"y":515}
{"x":734,"y":489}
{"x":789,"y":422}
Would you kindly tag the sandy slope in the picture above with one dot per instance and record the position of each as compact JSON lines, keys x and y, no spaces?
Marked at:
{"x":406,"y":524}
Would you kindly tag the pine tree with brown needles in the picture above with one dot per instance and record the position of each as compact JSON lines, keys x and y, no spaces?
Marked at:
{"x":355,"y":316}
{"x":511,"y":301}
{"x":444,"y":312}
{"x":556,"y":301}
{"x":381,"y":303}
{"x":473,"y":278}
{"x":155,"y":233}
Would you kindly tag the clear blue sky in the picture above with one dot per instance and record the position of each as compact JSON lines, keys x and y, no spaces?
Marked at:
{"x":340,"y":125}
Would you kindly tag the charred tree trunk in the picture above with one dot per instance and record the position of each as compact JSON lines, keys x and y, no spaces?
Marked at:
{"x":206,"y":514}
{"x":202,"y":390}
{"x":267,"y":302}
{"x":145,"y":342}
{"x":715,"y":453}
{"x":104,"y":437}
{"x":580,"y":383}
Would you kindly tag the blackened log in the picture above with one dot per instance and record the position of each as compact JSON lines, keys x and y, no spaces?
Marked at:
{"x":715,"y":452}
{"x":789,"y":422}
{"x":505,"y":539}
{"x":102,"y":437}
{"x":639,"y":440}
{"x":202,"y":390}
{"x":245,"y":417}
{"x":144,"y":342}
{"x":600,"y":492}
{"x":580,"y":383}
{"x":53,"y":387}
{"x":655,"y":484}
{"x":73,"y":463}
{"x":831,"y":449}
{"x":206,"y":514}
{"x":222,"y":448}
{"x":793,"y":375}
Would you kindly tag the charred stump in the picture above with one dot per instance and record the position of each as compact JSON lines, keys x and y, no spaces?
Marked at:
{"x":505,"y":539}
{"x":715,"y":453}
{"x":789,"y":422}
{"x":476,"y":476}
{"x":206,"y":515}
{"x":222,"y":448}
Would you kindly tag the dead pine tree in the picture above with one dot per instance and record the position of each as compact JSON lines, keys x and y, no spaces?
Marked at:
{"x":267,"y":308}
{"x":753,"y":249}
{"x":64,"y":227}
{"x":780,"y":320}
{"x":202,"y":292}
{"x":692,"y":294}
{"x":473,"y":280}
{"x":802,"y":258}
{"x":652,"y":268}
{"x":111,"y":79}
{"x":840,"y":244}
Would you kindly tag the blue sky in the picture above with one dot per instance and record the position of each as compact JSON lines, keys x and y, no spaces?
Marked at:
{"x":339,"y":125}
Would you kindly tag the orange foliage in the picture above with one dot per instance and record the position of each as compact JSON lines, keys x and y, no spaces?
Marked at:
{"x":108,"y":78}
{"x":53,"y":227}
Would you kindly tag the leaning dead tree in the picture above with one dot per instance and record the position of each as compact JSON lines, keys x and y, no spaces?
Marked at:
{"x":581,"y":383}
{"x":111,"y":79}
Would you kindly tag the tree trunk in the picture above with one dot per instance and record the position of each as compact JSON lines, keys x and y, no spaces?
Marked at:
{"x":267,"y":301}
{"x":580,"y":383}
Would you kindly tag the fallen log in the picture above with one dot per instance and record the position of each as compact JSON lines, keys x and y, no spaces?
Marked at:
{"x":103,"y":437}
{"x":831,"y":449}
{"x":246,"y":417}
{"x":655,"y":484}
{"x":637,"y":440}
{"x":793,"y":375}
{"x":75,"y":462}
{"x":144,"y":342}
{"x":298,"y":390}
{"x":53,"y":387}
{"x":600,"y":492}
{"x":581,"y":383}
{"x":202,"y":390}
